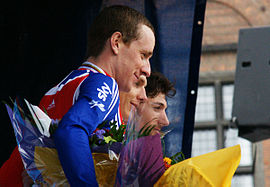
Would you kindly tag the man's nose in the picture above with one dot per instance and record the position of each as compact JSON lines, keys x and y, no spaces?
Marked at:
{"x":142,"y":95}
{"x":164,"y":119}
{"x":146,"y":69}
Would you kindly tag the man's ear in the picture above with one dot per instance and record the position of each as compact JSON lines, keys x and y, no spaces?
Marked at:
{"x":116,"y":40}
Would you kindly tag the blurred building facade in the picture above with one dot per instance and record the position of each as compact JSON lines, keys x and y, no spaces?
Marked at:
{"x":223,"y":19}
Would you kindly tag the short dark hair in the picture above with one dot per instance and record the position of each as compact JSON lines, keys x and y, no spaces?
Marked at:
{"x":157,"y":83}
{"x":112,"y":19}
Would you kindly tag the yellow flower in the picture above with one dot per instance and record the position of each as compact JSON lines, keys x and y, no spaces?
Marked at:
{"x":167,"y":160}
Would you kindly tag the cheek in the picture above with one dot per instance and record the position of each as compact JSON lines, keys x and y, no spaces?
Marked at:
{"x":140,"y":63}
{"x":137,"y":61}
{"x":149,"y":117}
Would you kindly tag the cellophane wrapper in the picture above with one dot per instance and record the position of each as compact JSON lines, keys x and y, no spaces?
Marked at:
{"x":37,"y":150}
{"x":141,"y":158}
{"x":39,"y":154}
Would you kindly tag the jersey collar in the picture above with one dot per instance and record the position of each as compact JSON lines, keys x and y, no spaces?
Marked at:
{"x":93,"y":67}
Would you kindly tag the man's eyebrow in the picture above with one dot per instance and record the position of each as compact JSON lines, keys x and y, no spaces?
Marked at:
{"x":159,"y":103}
{"x":147,"y":53}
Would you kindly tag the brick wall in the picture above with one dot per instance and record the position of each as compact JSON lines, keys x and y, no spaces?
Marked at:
{"x":218,"y":61}
{"x":266,"y":161}
{"x":224,"y":18}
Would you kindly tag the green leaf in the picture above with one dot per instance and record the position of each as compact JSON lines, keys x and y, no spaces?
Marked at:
{"x":108,"y":139}
{"x":178,"y":157}
{"x":163,"y":147}
{"x":146,"y":131}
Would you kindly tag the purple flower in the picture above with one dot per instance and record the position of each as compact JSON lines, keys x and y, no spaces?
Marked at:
{"x":100,"y":133}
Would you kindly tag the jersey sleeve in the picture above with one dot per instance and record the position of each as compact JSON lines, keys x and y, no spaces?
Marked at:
{"x":98,"y":100}
{"x":11,"y":170}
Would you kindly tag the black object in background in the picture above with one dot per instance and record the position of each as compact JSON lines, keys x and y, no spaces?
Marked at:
{"x":251,"y":101}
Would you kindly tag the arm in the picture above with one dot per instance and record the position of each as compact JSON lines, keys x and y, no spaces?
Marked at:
{"x":71,"y":137}
{"x":75,"y":156}
{"x":11,"y":170}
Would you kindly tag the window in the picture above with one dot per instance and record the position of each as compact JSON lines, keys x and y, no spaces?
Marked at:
{"x":205,"y":107}
{"x":212,"y":129}
{"x":204,"y":141}
{"x":231,"y":139}
{"x":227,"y":96}
{"x":243,"y":180}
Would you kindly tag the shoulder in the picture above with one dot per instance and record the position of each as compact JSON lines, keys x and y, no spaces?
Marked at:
{"x":99,"y":77}
{"x":101,"y":81}
{"x":100,"y":86}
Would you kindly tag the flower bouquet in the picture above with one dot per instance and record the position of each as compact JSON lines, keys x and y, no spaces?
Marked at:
{"x":33,"y":130}
{"x":142,"y":163}
{"x":123,"y":156}
{"x":141,"y":158}
{"x":106,"y":145}
{"x":212,"y":169}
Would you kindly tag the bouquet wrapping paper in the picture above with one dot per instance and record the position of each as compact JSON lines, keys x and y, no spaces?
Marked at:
{"x":212,"y":169}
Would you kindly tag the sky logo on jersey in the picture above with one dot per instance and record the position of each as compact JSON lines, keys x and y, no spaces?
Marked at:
{"x":104,"y":91}
{"x":94,"y":103}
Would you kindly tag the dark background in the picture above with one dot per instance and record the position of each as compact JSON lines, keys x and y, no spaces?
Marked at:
{"x":41,"y":42}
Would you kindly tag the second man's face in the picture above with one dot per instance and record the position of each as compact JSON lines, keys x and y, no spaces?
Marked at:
{"x":150,"y":111}
{"x":153,"y":112}
{"x":134,"y":97}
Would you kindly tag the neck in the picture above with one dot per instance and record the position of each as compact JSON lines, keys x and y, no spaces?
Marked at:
{"x":106,"y":60}
{"x":103,"y":63}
